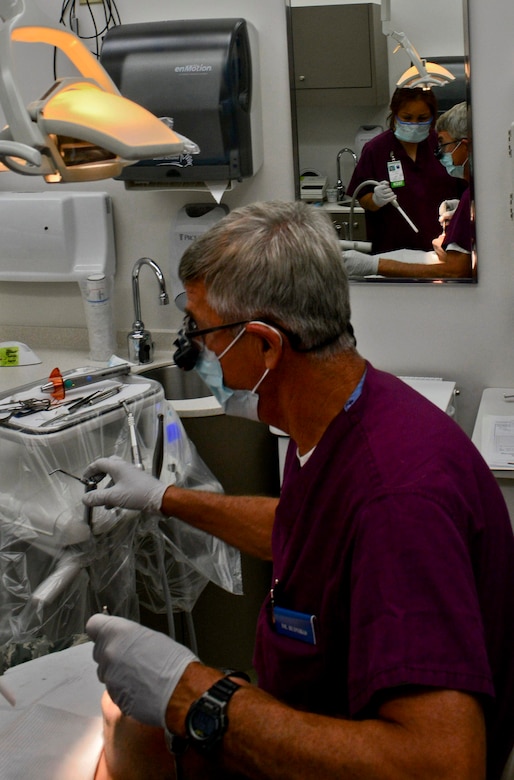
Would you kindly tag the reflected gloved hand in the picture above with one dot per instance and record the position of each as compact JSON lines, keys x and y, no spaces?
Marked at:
{"x":359,"y":264}
{"x":382,"y":194}
{"x":132,"y":489}
{"x":140,"y":667}
{"x":446,"y":211}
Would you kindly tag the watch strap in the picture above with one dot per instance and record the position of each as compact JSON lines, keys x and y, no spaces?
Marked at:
{"x":175,"y":744}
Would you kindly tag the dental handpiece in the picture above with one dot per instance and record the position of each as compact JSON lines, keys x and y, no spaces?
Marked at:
{"x":58,"y":383}
{"x":134,"y":446}
{"x":404,"y":215}
{"x":90,"y":484}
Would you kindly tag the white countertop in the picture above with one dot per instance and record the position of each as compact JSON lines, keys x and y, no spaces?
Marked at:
{"x":342,"y":208}
{"x":64,"y":359}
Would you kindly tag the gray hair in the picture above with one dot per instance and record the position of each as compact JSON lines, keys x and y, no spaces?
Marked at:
{"x":454,"y":121}
{"x":278,"y":262}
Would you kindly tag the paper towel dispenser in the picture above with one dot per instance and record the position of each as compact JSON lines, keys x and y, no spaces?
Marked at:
{"x":202,"y":73}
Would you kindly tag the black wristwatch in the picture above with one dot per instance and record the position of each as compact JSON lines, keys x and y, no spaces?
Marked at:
{"x":207,"y":720}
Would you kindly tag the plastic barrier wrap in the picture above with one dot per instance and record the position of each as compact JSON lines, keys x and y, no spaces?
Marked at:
{"x":57,"y":565}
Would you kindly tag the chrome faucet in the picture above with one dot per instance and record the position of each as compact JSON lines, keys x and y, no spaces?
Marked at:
{"x":340,"y":186}
{"x":140,"y":345}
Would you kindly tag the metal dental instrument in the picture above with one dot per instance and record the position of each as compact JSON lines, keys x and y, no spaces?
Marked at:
{"x":95,"y":398}
{"x":88,"y":400}
{"x":26,"y":406}
{"x":134,"y":446}
{"x":91,"y":484}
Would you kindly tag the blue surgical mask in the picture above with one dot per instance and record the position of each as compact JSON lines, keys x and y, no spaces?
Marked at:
{"x":446,"y":159}
{"x":412,"y":132}
{"x":238,"y":403}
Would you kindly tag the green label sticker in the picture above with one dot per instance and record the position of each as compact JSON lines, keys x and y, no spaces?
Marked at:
{"x":9,"y":356}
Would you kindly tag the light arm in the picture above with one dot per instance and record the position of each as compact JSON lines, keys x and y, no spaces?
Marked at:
{"x":85,"y":62}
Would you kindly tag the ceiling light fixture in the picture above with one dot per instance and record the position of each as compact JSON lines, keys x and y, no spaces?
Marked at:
{"x":421,"y":73}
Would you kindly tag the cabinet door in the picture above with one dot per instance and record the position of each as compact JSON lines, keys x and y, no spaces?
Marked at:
{"x":332,"y":46}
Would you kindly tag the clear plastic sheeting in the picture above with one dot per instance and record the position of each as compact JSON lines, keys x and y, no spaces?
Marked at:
{"x":58,"y":565}
{"x":192,"y":558}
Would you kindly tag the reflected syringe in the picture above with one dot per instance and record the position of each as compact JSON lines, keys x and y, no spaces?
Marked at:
{"x":404,"y":215}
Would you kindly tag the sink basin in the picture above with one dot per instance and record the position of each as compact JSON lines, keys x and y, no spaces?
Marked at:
{"x":178,"y":385}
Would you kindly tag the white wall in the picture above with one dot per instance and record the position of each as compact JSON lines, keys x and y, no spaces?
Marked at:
{"x":461,"y":332}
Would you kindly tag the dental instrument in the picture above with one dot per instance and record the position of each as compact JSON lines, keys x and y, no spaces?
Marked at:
{"x":90,"y":483}
{"x":134,"y":446}
{"x":88,"y":400}
{"x":404,"y":215}
{"x":57,"y":384}
{"x":25,"y":406}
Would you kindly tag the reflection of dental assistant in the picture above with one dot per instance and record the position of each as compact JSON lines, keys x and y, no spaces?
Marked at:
{"x":402,"y":160}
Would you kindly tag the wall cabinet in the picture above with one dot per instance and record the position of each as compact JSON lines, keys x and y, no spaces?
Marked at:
{"x":340,"y":49}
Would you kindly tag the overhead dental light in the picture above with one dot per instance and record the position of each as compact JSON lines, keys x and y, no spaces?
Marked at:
{"x":81,"y":129}
{"x":421,"y":73}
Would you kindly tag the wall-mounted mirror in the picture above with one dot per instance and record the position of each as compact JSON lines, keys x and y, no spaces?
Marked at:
{"x":344,"y":72}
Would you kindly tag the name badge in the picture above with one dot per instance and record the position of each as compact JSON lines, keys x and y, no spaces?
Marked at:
{"x":296,"y":625}
{"x":395,"y":172}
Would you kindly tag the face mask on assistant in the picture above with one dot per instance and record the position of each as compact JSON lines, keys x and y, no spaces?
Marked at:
{"x":412,"y":132}
{"x":238,"y":403}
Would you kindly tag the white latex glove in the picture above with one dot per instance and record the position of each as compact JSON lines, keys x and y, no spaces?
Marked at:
{"x":132,"y":489}
{"x":382,"y":194}
{"x":140,"y":667}
{"x":359,"y":264}
{"x":446,"y":211}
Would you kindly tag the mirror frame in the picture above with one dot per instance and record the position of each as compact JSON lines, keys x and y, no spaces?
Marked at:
{"x":296,"y":157}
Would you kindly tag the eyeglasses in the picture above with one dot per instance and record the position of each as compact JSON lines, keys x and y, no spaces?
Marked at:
{"x":439,"y":151}
{"x":191,"y":329}
{"x":188,"y":348}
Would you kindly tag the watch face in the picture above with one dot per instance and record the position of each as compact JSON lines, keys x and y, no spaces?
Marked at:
{"x":204,"y":724}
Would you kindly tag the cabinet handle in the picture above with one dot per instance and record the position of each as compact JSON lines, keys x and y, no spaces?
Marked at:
{"x":301,"y":78}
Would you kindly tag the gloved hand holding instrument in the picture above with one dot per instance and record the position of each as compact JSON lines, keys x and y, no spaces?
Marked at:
{"x":140,"y":667}
{"x":132,"y":488}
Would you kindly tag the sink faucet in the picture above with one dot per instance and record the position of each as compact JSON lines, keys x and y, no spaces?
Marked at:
{"x":140,"y":345}
{"x":340,"y":186}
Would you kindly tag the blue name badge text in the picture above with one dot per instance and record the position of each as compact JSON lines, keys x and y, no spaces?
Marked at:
{"x":296,"y":625}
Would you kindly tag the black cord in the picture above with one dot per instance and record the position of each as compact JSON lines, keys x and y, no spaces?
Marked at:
{"x":69,"y":18}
